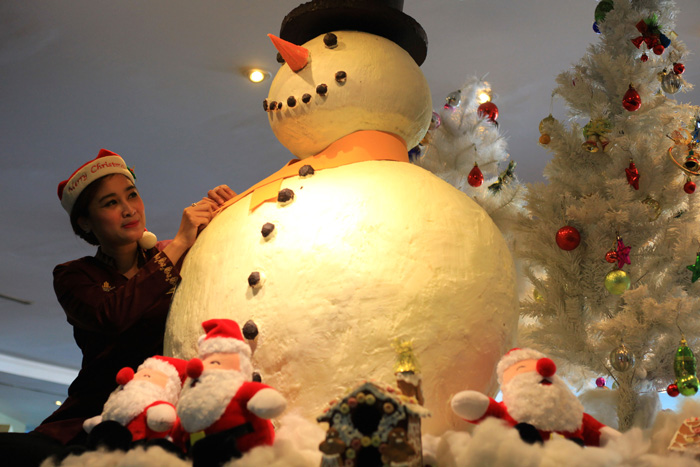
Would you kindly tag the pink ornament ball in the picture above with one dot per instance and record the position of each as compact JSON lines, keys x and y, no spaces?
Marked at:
{"x":600,"y":382}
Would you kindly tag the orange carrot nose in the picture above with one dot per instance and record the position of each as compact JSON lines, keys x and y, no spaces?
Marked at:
{"x":294,"y":55}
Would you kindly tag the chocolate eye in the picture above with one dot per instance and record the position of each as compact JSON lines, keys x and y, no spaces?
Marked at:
{"x":280,"y":59}
{"x":306,"y":98}
{"x":341,"y":77}
{"x":321,"y":89}
{"x":331,"y":40}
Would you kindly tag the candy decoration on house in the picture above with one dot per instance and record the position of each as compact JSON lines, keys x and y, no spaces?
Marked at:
{"x":632,"y":175}
{"x":536,"y":402}
{"x":356,"y":136}
{"x":595,"y":133}
{"x":631,"y":100}
{"x":568,"y":238}
{"x":141,"y":411}
{"x":685,"y":369}
{"x":376,"y":426}
{"x":224,"y":413}
{"x":651,"y":35}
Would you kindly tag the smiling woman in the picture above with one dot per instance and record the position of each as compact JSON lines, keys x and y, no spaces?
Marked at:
{"x":117,"y":301}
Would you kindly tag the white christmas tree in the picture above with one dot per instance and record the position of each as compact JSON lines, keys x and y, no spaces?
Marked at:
{"x":465,"y":148}
{"x":611,"y":234}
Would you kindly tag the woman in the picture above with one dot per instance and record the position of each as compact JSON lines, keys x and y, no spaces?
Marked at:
{"x":117,"y":301}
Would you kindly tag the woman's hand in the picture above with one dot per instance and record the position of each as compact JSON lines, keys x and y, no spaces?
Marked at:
{"x":194,"y":219}
{"x":221,"y":194}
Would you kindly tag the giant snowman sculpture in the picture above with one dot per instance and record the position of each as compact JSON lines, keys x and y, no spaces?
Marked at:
{"x":347,"y":249}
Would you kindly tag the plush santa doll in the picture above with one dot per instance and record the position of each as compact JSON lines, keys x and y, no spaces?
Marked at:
{"x":144,"y":402}
{"x":221,"y":410}
{"x":535,"y":401}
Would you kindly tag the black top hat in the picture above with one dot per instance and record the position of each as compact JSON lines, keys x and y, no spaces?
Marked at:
{"x":380,"y":17}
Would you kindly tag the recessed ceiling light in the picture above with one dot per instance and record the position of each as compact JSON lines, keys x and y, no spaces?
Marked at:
{"x":257,"y":75}
{"x":484,"y":97}
{"x":59,"y":403}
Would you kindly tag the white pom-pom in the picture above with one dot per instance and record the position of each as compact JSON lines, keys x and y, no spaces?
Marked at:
{"x":161,"y":417}
{"x":148,"y":240}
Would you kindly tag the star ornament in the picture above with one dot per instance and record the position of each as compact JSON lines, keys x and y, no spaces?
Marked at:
{"x":695,"y":268}
{"x":623,"y":253}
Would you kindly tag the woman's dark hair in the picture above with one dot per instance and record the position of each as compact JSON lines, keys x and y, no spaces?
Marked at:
{"x":80,"y":209}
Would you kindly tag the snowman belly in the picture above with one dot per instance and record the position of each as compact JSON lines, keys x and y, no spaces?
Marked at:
{"x":365,"y":253}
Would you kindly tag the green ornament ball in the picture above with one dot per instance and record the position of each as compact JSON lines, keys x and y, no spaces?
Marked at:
{"x":617,"y":282}
{"x":602,"y":9}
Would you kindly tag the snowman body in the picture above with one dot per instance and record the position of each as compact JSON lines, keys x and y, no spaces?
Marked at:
{"x":364,"y":253}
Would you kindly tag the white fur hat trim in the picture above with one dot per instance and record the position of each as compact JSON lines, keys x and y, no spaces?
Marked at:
{"x":223,"y":345}
{"x":514,"y":356}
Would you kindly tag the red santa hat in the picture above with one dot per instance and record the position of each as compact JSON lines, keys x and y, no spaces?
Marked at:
{"x":174,"y":368}
{"x":222,"y":335}
{"x":514,"y":356}
{"x":105,"y":163}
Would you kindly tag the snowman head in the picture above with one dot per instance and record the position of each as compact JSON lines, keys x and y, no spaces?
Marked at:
{"x":347,"y":80}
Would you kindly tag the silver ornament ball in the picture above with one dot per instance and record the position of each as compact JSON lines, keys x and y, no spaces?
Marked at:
{"x":671,"y":83}
{"x":621,"y":359}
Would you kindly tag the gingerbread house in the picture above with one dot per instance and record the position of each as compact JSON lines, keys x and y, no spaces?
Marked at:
{"x":373,"y":425}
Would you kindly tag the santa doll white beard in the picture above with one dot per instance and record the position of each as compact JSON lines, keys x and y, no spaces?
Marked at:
{"x":547,"y":407}
{"x":128,"y":401}
{"x":202,"y":405}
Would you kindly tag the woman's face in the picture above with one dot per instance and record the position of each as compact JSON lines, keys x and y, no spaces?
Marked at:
{"x":116,"y":213}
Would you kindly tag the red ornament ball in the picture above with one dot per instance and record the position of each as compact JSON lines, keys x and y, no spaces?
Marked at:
{"x":678,"y":68}
{"x":644,"y":58}
{"x":568,"y":238}
{"x":658,"y":49}
{"x":672,"y":390}
{"x":489,"y":111}
{"x":611,"y":256}
{"x":475,"y":177}
{"x":631,"y":100}
{"x":689,"y":187}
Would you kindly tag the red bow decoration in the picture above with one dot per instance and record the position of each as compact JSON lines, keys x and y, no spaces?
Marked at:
{"x":650,"y":36}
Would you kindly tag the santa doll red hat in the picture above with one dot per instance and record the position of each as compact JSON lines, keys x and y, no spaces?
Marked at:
{"x":535,"y":401}
{"x":223,"y":411}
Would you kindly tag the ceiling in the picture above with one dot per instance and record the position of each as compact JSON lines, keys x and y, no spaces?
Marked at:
{"x":160,"y":82}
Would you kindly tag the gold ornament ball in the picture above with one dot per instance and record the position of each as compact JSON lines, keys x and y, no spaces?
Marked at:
{"x":537,"y":295}
{"x":617,"y":282}
{"x":545,"y":139}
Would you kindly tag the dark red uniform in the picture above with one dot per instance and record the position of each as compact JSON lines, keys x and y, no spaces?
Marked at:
{"x":117,"y":322}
